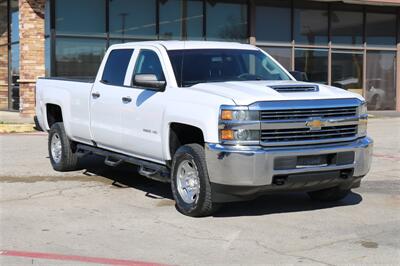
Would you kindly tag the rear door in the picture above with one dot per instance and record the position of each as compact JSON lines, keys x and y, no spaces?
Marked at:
{"x":106,"y":100}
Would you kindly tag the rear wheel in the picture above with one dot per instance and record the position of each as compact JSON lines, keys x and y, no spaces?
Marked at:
{"x":190,"y":183}
{"x":61,"y":153}
{"x":329,"y":194}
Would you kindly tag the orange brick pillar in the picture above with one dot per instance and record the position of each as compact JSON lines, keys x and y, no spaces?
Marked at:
{"x":3,"y":59}
{"x":32,"y":62}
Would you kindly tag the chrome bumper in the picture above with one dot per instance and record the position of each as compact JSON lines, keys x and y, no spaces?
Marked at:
{"x":254,"y":166}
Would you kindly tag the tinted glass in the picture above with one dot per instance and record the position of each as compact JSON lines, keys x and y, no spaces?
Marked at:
{"x":314,"y":63}
{"x":381,"y":80}
{"x":149,"y":63}
{"x":116,"y":66}
{"x":282,"y":55}
{"x":15,"y":60}
{"x":227,"y":20}
{"x":381,"y":28}
{"x":14,"y":92}
{"x":310,"y":22}
{"x":78,"y":57}
{"x":347,"y":24}
{"x":273,"y":21}
{"x":80,"y":17}
{"x":134,"y":18}
{"x":47,"y":56}
{"x":181,"y":19}
{"x":347,"y":71}
{"x":3,"y":22}
{"x":220,"y":65}
{"x":14,"y":14}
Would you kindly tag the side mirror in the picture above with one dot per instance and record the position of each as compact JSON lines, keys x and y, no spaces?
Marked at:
{"x":149,"y":81}
{"x":298,"y":75}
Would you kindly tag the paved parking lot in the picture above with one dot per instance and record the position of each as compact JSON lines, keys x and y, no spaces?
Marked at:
{"x":106,"y":216}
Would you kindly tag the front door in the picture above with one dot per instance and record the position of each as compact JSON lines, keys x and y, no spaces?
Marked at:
{"x":142,"y":117}
{"x":107,"y":103}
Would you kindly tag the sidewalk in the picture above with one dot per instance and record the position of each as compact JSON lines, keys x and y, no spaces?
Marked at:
{"x":13,"y":122}
{"x":384,"y":114}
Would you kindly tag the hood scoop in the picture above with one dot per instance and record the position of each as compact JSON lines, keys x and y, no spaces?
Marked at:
{"x":295,"y":88}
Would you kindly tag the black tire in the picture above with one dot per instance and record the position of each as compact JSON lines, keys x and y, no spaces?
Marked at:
{"x":329,"y":194}
{"x":68,"y":161}
{"x":203,"y":205}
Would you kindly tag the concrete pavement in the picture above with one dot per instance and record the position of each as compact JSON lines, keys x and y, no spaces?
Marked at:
{"x":116,"y":214}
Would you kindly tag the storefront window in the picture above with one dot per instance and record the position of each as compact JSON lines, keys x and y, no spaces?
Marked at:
{"x":347,"y":69}
{"x":310,"y":22}
{"x":181,"y":19}
{"x":381,"y":28}
{"x":3,"y":22}
{"x":14,"y":86}
{"x":133,"y":18}
{"x":14,"y":14}
{"x":80,"y":17}
{"x":273,"y":21}
{"x":346,"y":24}
{"x":227,"y":20}
{"x":78,"y":57}
{"x":381,"y":80}
{"x":282,"y":55}
{"x":314,"y":64}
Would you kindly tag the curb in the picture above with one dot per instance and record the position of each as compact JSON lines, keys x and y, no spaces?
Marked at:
{"x":17,"y":128}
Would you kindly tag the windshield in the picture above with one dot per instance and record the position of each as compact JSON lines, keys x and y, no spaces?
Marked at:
{"x":219,"y":65}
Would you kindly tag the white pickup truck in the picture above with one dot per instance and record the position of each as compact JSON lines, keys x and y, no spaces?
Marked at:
{"x":220,"y":121}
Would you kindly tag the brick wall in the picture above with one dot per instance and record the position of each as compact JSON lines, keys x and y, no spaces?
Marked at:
{"x":3,"y":58}
{"x":32,"y":62}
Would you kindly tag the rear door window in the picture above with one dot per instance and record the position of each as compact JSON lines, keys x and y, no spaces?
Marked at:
{"x":116,"y":66}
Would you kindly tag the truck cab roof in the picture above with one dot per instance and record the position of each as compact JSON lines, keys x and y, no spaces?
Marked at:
{"x":179,"y":45}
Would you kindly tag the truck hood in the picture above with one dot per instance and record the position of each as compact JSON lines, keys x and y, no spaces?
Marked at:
{"x":248,"y":92}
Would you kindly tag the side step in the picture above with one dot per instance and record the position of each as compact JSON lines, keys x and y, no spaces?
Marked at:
{"x":148,"y":169}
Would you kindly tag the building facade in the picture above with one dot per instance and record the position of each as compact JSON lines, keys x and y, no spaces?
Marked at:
{"x":352,"y":44}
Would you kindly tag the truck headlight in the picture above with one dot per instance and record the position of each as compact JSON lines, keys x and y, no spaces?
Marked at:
{"x":239,"y":115}
{"x":239,"y":126}
{"x":239,"y":135}
{"x":363,"y":120}
{"x":362,"y":109}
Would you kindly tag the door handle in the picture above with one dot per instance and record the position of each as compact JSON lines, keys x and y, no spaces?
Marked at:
{"x":95,"y":95}
{"x":126,"y":99}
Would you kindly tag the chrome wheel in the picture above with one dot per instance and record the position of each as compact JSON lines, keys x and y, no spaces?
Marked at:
{"x":56,"y":148}
{"x":188,"y":182}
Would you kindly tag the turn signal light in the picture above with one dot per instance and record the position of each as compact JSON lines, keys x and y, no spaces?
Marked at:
{"x":227,"y":134}
{"x":226,"y":115}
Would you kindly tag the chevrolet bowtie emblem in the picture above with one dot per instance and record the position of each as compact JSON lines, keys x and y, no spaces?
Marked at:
{"x":315,"y":124}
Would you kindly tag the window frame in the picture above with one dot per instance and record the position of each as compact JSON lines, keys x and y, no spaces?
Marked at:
{"x":166,"y":69}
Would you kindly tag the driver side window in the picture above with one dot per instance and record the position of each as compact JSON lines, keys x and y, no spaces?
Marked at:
{"x":149,"y":63}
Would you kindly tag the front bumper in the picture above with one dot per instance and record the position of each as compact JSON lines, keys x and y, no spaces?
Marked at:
{"x":245,"y":172}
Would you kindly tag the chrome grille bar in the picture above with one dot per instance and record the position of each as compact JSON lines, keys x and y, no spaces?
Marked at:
{"x":307,"y":113}
{"x":303,"y":122}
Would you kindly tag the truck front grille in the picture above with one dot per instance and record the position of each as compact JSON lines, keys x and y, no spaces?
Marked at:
{"x":305,"y":134}
{"x":302,"y":114}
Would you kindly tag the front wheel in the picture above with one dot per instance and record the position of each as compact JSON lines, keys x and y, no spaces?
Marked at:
{"x":329,"y":194}
{"x":190,"y":184}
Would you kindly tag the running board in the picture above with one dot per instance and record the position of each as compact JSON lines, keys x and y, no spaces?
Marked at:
{"x":148,"y":169}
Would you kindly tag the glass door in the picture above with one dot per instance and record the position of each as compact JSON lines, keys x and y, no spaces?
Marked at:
{"x":347,"y":70}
